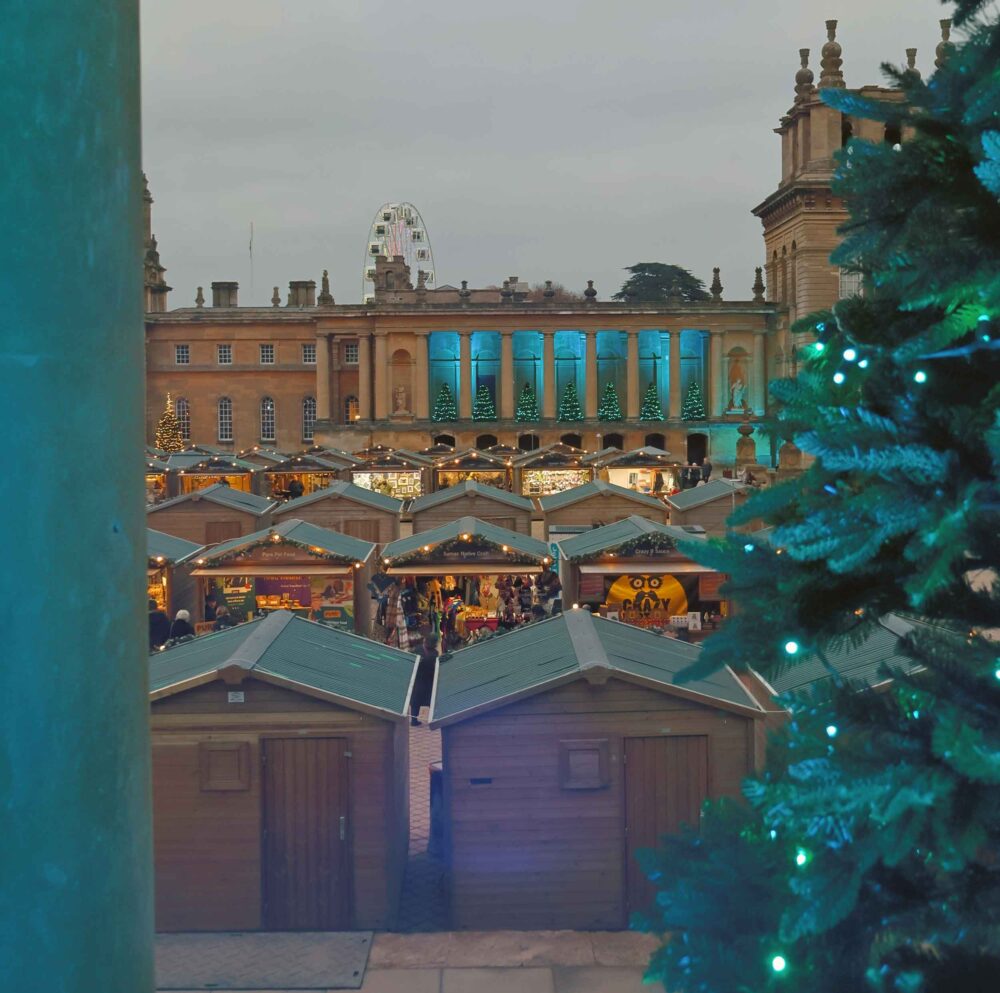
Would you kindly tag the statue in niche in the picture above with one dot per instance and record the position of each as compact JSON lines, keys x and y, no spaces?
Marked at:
{"x":399,"y":400}
{"x":738,"y":393}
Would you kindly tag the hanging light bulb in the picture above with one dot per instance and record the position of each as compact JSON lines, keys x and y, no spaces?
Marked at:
{"x":802,"y":857}
{"x":920,"y":376}
{"x":748,"y":547}
{"x":791,"y":647}
{"x":863,"y":364}
{"x":838,"y":378}
{"x":778,"y":963}
{"x":831,"y":730}
{"x":850,"y":354}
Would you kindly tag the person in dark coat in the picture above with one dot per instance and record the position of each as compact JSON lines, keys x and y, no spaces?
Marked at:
{"x":706,"y":468}
{"x":181,"y":628}
{"x":222,"y":618}
{"x":295,"y":490}
{"x":424,"y":682}
{"x":159,"y":625}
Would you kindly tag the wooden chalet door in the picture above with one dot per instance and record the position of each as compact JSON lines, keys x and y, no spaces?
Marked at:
{"x":666,"y":782}
{"x":304,"y":858}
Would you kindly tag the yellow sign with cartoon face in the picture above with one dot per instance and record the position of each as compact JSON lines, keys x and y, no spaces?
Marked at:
{"x":659,"y":595}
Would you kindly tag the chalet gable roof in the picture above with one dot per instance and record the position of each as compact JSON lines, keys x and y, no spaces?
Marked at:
{"x":521,"y":544}
{"x":611,"y":537}
{"x":296,"y":653}
{"x":225,"y":496}
{"x":598,"y":487}
{"x":345,"y":491}
{"x":470,"y":488}
{"x":716,"y":489}
{"x":574,"y":645}
{"x":166,"y":549}
{"x":293,"y":531}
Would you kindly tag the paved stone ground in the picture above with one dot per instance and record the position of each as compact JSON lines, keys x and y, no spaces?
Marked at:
{"x":422,"y":904}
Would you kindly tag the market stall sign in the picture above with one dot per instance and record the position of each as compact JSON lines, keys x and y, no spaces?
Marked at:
{"x":709,"y":585}
{"x":457,"y":550}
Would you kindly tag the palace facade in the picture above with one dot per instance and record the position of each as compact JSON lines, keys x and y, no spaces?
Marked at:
{"x":309,"y":371}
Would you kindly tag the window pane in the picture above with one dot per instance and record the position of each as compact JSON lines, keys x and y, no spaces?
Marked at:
{"x":182,"y":354}
{"x":308,"y":418}
{"x":225,"y":354}
{"x":183,"y":411}
{"x":225,"y":419}
{"x":267,"y":354}
{"x":309,"y":354}
{"x":350,"y":353}
{"x":267,"y":419}
{"x":351,"y":409}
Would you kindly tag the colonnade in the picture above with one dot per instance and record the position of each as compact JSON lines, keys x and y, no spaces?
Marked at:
{"x":375,"y":374}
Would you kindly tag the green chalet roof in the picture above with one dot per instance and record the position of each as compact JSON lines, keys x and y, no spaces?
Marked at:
{"x":347,"y":491}
{"x":492,"y":534}
{"x":556,"y":501}
{"x":325,"y":544}
{"x":165,"y":549}
{"x":864,"y":664}
{"x":716,"y":489}
{"x":645,"y":456}
{"x":574,"y":645}
{"x":470,"y":488}
{"x":301,"y":655}
{"x":611,"y":537}
{"x":223,"y":495}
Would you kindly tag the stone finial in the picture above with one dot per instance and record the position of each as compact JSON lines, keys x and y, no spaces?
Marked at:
{"x":276,"y":297}
{"x":548,"y":293}
{"x":464,"y":293}
{"x":199,"y":298}
{"x":506,"y":291}
{"x":758,"y":285}
{"x":830,"y":74}
{"x":944,"y":46}
{"x":325,"y":298}
{"x":590,"y":294}
{"x":804,"y":78}
{"x":146,"y":195}
{"x":421,"y":289}
{"x":716,"y":284}
{"x":911,"y":63}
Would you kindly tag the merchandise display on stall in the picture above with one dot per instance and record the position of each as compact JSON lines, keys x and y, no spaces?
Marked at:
{"x":392,"y":473}
{"x":473,"y":465}
{"x":645,"y":470}
{"x":462,"y":581}
{"x":552,"y":469}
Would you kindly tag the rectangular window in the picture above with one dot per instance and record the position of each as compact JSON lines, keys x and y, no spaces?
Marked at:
{"x":224,"y":354}
{"x":851,"y":284}
{"x":309,"y":354}
{"x":182,"y":354}
{"x":584,"y":765}
{"x":350,"y":353}
{"x":267,"y":354}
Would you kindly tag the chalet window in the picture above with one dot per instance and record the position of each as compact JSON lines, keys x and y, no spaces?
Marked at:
{"x":182,"y":354}
{"x":584,"y":764}
{"x":224,"y":765}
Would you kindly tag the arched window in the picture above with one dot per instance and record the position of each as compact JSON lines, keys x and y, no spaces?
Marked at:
{"x":183,"y":411}
{"x":486,"y":440}
{"x":267,"y":424}
{"x":655,"y":441}
{"x":308,"y":418}
{"x":225,"y":411}
{"x":572,"y":439}
{"x":527,"y":442}
{"x":444,"y":439}
{"x":614,"y":441}
{"x":352,"y":410}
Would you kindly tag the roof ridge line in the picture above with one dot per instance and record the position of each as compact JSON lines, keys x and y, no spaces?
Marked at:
{"x":587,"y":644}
{"x":252,"y":650}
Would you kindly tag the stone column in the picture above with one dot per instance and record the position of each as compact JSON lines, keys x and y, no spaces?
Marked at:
{"x":674,"y":376}
{"x":421,"y":388}
{"x":716,"y":399}
{"x":590,"y":387}
{"x":758,"y":384}
{"x":73,"y":695}
{"x":548,"y":373}
{"x":381,"y":376}
{"x":323,"y":377}
{"x":336,"y":398}
{"x":465,"y":375}
{"x":365,"y":376}
{"x":632,"y":398}
{"x":506,"y":375}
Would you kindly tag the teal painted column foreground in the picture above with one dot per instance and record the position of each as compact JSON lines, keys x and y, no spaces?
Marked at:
{"x":75,"y":851}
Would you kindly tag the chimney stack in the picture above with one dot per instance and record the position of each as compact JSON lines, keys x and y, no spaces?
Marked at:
{"x":225,"y":294}
{"x":302,"y":293}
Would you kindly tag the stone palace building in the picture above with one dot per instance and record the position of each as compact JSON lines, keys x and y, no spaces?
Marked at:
{"x":309,"y":371}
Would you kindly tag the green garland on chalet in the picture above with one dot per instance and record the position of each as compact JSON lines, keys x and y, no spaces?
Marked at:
{"x":243,"y":551}
{"x":642,"y":544}
{"x":475,"y":544}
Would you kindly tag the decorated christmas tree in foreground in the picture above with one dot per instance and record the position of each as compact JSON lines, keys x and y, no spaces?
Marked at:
{"x":651,"y":410}
{"x":444,"y":405}
{"x":693,"y":408}
{"x":527,"y":405}
{"x":609,"y":409}
{"x":569,"y":404}
{"x":169,"y":437}
{"x":869,"y":855}
{"x":483,"y":407}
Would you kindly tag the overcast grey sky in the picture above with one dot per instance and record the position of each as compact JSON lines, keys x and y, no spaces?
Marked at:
{"x":549,"y":139}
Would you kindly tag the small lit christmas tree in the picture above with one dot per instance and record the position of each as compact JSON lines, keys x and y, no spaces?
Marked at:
{"x":169,"y":437}
{"x":569,"y":405}
{"x":444,"y":406}
{"x":651,"y":409}
{"x":527,"y":404}
{"x":609,"y":409}
{"x":483,"y":407}
{"x":693,"y":408}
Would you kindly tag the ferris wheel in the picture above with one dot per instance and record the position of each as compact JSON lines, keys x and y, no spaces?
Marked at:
{"x":397,"y":229}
